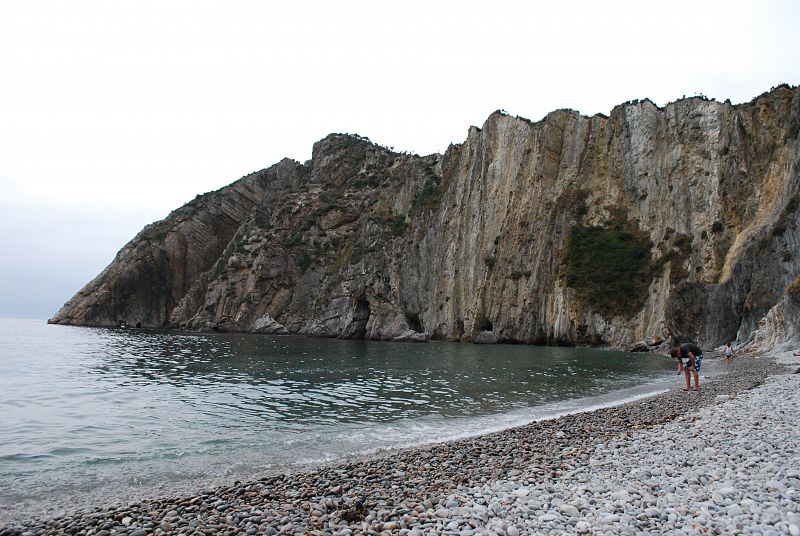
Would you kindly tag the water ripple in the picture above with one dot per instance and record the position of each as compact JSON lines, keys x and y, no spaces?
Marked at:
{"x":98,"y":411}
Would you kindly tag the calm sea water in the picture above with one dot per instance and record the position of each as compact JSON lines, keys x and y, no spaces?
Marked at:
{"x":95,"y":415}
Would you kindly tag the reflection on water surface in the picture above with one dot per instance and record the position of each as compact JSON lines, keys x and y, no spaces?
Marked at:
{"x":111,"y":413}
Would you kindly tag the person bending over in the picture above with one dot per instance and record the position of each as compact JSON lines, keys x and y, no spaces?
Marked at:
{"x":690,"y":359}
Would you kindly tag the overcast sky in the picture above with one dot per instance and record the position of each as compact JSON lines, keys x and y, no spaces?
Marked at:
{"x":112,"y":114}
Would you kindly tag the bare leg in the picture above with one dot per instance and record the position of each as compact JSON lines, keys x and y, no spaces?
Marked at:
{"x":688,"y":381}
{"x":696,"y":380}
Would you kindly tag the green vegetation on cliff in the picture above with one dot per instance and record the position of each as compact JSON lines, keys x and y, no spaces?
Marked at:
{"x":794,"y":287}
{"x":609,"y":268}
{"x":429,"y":197}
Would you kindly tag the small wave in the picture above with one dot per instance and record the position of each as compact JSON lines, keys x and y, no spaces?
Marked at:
{"x":68,"y":451}
{"x":428,"y":430}
{"x":106,"y":460}
{"x":22,"y":457}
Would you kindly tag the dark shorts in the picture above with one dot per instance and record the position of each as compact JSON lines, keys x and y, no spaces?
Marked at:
{"x":698,"y":362}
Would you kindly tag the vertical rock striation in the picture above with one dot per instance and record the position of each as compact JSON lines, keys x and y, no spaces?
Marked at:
{"x":363,"y":242}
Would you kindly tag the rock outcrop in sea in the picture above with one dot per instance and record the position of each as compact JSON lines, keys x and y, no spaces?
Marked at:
{"x":652,"y":222}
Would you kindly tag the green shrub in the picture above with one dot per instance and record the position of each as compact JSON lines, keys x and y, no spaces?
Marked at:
{"x":312,"y":218}
{"x":794,"y":201}
{"x":294,"y":239}
{"x":429,"y":197}
{"x":398,"y":225}
{"x":156,"y":232}
{"x":794,"y":287}
{"x":330,"y":199}
{"x":340,"y":258}
{"x":683,"y":243}
{"x":519,"y":274}
{"x":303,"y":261}
{"x":609,"y":268}
{"x":396,"y":222}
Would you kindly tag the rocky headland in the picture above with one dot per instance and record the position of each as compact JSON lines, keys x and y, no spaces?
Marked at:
{"x":681,"y":221}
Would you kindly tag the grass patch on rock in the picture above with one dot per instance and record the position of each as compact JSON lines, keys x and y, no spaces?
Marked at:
{"x":609,"y":268}
{"x":429,"y":197}
{"x":396,"y":223}
{"x":794,"y":287}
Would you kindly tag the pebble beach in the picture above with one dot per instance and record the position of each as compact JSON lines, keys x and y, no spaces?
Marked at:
{"x":725,"y":460}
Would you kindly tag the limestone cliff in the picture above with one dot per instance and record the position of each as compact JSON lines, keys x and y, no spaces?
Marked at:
{"x":479,"y":243}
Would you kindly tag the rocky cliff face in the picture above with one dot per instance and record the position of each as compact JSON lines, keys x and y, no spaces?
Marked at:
{"x":492,"y":241}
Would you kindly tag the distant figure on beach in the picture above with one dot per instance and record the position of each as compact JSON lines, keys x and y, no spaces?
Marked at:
{"x":728,"y":351}
{"x":690,"y":359}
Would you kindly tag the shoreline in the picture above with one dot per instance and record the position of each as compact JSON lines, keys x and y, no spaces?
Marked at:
{"x":421,"y":487}
{"x":418,"y":433}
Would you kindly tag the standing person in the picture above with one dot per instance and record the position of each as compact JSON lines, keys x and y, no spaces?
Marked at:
{"x":728,"y":351}
{"x":692,"y":358}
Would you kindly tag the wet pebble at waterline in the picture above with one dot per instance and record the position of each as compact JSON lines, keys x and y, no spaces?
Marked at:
{"x":610,"y":471}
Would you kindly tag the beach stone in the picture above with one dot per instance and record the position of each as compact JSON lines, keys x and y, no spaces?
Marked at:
{"x":621,"y":495}
{"x":775,"y":485}
{"x":569,"y":510}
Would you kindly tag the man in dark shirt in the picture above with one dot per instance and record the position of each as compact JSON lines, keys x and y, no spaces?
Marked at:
{"x":690,"y":359}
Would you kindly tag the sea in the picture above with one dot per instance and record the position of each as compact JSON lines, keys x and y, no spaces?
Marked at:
{"x":94,"y":416}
